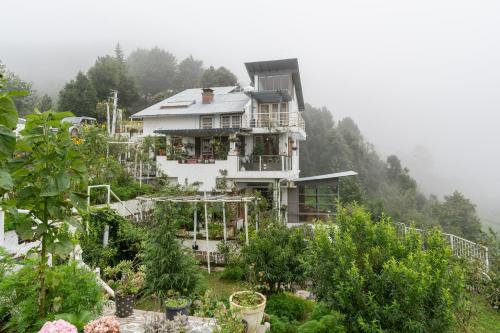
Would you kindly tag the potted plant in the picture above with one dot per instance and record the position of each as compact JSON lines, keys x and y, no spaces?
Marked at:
{"x":250,"y":307}
{"x":126,"y":282}
{"x":175,"y":305}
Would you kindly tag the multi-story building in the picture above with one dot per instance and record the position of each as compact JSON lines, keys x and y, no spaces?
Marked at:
{"x":228,"y":138}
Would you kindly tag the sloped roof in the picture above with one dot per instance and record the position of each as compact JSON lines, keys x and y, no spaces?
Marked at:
{"x":328,"y":176}
{"x":189,"y":102}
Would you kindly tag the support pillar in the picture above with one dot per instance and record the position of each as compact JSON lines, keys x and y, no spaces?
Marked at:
{"x":195,"y":224}
{"x":224,"y":220}
{"x":246,"y":222}
{"x":206,"y":236}
{"x":2,"y":227}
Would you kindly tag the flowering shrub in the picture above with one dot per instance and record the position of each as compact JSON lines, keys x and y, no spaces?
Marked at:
{"x":107,"y":324}
{"x":58,"y":326}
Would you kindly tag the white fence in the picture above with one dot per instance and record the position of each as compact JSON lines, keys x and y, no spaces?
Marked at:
{"x":460,"y":247}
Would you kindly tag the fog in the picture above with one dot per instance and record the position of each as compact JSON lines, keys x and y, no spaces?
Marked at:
{"x":421,"y":78}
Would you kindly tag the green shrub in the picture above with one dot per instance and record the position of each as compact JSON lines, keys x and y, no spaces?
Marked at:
{"x":331,"y":323}
{"x":233,"y":273}
{"x":383,"y":282}
{"x":69,"y":290}
{"x":289,"y":306}
{"x":279,"y":325}
{"x":276,"y":257}
{"x":125,"y":238}
{"x":169,"y":266}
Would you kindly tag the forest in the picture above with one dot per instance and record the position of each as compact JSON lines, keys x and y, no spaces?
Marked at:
{"x":147,"y":76}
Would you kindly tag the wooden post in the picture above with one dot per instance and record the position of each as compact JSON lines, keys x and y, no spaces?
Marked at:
{"x":195,"y":222}
{"x":206,"y":235}
{"x":2,"y":227}
{"x":224,"y":220}
{"x":246,"y":222}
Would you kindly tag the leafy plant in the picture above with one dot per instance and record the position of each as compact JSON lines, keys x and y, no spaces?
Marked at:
{"x":79,"y":320}
{"x":69,"y":290}
{"x":58,"y":326}
{"x":247,"y":299}
{"x":48,"y":175}
{"x":289,"y":306}
{"x":275,"y":257}
{"x":380,"y":281}
{"x":125,"y":280}
{"x":169,"y":266}
{"x":176,"y":302}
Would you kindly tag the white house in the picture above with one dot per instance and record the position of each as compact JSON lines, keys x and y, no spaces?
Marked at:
{"x":228,"y":138}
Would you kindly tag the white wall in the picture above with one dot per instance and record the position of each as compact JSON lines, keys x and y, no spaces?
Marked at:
{"x":170,"y":122}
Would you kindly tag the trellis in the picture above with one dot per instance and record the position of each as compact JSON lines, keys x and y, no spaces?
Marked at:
{"x":212,"y":199}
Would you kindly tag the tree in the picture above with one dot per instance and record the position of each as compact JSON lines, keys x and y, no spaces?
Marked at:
{"x":189,"y":74}
{"x":219,"y":77}
{"x":457,"y":215}
{"x":109,"y":73}
{"x":119,"y":55}
{"x":382,"y":282}
{"x":45,"y":103}
{"x":25,"y":102}
{"x":48,"y":172}
{"x":79,"y":97}
{"x":154,"y":70}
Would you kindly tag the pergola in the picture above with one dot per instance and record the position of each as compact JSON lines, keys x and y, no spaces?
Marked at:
{"x":211,"y":199}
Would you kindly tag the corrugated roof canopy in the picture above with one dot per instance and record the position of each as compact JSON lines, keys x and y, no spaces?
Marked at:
{"x":282,"y":65}
{"x":189,"y":101}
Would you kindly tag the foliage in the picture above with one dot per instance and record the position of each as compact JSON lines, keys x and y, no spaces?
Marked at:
{"x":228,"y":320}
{"x":125,"y":280}
{"x":12,"y":84}
{"x":78,"y":319}
{"x":48,"y":174}
{"x":69,"y":290}
{"x":154,"y":70}
{"x":8,"y":121}
{"x":158,"y":324}
{"x":289,"y":306}
{"x":328,"y":324}
{"x":247,"y":299}
{"x":6,"y":262}
{"x":45,"y":103}
{"x":380,"y":281}
{"x":176,"y":302}
{"x":189,"y":73}
{"x":110,"y":73}
{"x":79,"y":97}
{"x":169,"y":265}
{"x":125,"y":238}
{"x":275,"y":257}
{"x":108,"y":324}
{"x":219,"y":77}
{"x":58,"y":326}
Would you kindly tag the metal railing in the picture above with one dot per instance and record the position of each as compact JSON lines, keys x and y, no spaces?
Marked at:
{"x":265,"y":163}
{"x":460,"y":247}
{"x":277,"y":119}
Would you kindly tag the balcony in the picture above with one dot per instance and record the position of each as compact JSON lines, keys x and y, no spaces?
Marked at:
{"x":277,"y":119}
{"x":265,"y":163}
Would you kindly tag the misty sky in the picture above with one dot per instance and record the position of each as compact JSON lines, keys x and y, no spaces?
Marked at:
{"x":421,"y":78}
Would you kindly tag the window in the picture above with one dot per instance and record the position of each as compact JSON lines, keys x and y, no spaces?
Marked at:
{"x":274,"y":82}
{"x":207,"y":122}
{"x":271,"y":115}
{"x":231,"y":121}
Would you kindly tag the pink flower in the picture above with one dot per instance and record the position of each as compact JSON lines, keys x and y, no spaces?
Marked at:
{"x":58,"y":326}
{"x":107,"y":324}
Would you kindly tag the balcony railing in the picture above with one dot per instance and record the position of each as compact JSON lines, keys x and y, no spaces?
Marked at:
{"x":265,"y":163}
{"x":277,"y":119}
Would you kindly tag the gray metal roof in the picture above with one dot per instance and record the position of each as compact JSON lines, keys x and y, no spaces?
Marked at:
{"x":189,"y":102}
{"x":274,"y":66}
{"x":328,"y":176}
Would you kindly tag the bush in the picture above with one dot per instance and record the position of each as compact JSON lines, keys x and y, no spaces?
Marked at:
{"x":125,"y":238}
{"x":276,"y":257}
{"x":169,"y":266}
{"x":289,"y":306}
{"x":331,"y":323}
{"x":382,"y":282}
{"x":279,"y":325}
{"x":69,"y":290}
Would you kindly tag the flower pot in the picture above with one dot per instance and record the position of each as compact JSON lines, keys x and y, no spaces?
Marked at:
{"x":251,"y":314}
{"x":124,"y":305}
{"x":172,"y":311}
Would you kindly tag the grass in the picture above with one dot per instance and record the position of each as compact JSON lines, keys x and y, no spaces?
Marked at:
{"x":221,"y":289}
{"x":488,"y":320}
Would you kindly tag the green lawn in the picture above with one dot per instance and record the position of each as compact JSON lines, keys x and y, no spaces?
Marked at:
{"x":488,"y":320}
{"x":221,"y":290}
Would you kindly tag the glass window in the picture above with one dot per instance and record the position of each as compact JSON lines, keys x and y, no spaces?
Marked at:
{"x":206,"y":122}
{"x":231,"y":121}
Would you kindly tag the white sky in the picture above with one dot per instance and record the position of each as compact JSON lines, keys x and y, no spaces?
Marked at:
{"x":410,"y":73}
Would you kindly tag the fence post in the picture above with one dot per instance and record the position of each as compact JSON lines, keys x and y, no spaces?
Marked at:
{"x":260,"y":162}
{"x":2,"y":227}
